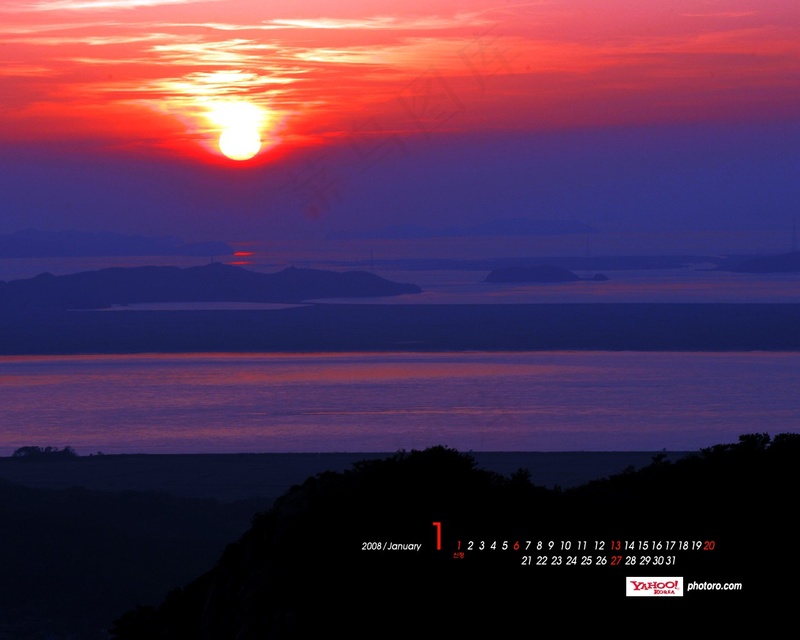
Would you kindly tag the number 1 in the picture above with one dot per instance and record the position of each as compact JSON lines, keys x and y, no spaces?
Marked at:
{"x":438,"y":526}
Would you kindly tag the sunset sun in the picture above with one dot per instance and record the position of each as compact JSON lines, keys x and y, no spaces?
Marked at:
{"x":240,"y":142}
{"x":240,"y":124}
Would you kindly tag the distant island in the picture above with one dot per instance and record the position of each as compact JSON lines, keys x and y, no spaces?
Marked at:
{"x":537,"y":273}
{"x":34,"y":243}
{"x":214,"y":282}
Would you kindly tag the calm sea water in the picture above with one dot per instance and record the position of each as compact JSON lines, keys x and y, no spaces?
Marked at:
{"x":546,"y":401}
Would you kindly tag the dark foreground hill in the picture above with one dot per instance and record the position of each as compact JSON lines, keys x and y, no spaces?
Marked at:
{"x":426,"y":540}
{"x":71,"y":560}
{"x":214,"y":282}
{"x":117,"y":530}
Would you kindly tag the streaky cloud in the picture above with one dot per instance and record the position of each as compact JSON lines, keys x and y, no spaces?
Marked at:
{"x":380,"y":22}
{"x":94,"y":41}
{"x":720,"y":14}
{"x":26,"y":71}
{"x":28,"y":29}
{"x":89,"y":5}
{"x":376,"y":23}
{"x":193,"y":53}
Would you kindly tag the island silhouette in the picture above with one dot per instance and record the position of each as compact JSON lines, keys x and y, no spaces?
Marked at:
{"x":214,"y":282}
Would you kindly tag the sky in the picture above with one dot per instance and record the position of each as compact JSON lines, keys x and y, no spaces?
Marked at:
{"x":679,"y":116}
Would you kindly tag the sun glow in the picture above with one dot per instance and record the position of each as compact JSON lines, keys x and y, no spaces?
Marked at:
{"x":241,"y":124}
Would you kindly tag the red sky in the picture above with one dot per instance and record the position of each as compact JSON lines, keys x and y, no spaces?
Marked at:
{"x":679,"y":116}
{"x":148,"y":73}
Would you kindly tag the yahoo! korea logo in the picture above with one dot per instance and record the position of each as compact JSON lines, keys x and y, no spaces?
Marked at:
{"x":654,"y":587}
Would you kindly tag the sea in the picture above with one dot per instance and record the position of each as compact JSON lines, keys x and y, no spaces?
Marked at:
{"x":379,"y":402}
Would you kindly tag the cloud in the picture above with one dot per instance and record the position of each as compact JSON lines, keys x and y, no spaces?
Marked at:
{"x":93,"y":41}
{"x":720,"y":14}
{"x":27,"y":29}
{"x":236,"y":51}
{"x":381,"y":22}
{"x":92,"y":5}
{"x":25,"y":71}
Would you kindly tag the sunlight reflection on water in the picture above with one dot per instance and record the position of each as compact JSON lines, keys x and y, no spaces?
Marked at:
{"x":548,"y":401}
